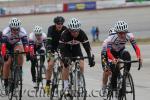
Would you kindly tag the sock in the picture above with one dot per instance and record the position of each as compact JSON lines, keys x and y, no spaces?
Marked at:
{"x":66,"y":83}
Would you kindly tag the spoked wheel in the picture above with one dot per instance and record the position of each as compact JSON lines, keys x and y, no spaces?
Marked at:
{"x":15,"y":86}
{"x":81,"y":90}
{"x":79,"y":87}
{"x":62,"y":94}
{"x":56,"y":86}
{"x":109,"y":95}
{"x":127,"y":92}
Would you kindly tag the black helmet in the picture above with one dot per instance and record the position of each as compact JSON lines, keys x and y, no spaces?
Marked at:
{"x":59,"y":19}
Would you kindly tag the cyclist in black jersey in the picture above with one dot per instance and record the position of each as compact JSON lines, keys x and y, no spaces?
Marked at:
{"x":53,"y":36}
{"x":70,"y":47}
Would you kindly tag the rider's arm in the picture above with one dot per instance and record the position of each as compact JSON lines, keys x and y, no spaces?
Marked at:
{"x":3,"y":46}
{"x":108,"y":46}
{"x":49,"y":39}
{"x":24,"y":37}
{"x":85,"y":43}
{"x":44,"y":39}
{"x":24,"y":40}
{"x":133,"y":43}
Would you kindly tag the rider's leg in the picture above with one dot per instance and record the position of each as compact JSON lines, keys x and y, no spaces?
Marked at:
{"x":65,"y":75}
{"x":82,"y":66}
{"x":104,"y":62}
{"x":33,"y":72}
{"x":6,"y":70}
{"x":106,"y":72}
{"x":49,"y":71}
{"x":125,"y":55}
{"x":20,"y":56}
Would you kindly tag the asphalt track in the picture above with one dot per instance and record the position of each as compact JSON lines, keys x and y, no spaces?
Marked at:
{"x":138,"y":19}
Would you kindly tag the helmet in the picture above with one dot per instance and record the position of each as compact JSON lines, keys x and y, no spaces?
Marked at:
{"x":37,"y":30}
{"x":59,"y":19}
{"x":111,"y":30}
{"x":121,"y":26}
{"x":74,"y":24}
{"x":14,"y":23}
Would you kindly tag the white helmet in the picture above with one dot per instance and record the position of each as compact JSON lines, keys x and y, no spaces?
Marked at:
{"x":111,"y":30}
{"x":74,"y":24}
{"x":121,"y":26}
{"x":37,"y":30}
{"x":14,"y":23}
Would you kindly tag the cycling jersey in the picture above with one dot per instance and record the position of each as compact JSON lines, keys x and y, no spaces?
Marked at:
{"x":54,"y":36}
{"x":37,"y":43}
{"x":68,"y":41}
{"x":113,"y":42}
{"x":10,"y":38}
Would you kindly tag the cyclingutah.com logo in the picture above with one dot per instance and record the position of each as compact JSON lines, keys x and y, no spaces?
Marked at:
{"x":33,"y":93}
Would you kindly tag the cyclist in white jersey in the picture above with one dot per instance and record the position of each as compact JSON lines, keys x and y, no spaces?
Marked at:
{"x":113,"y":48}
{"x":37,"y":40}
{"x":14,"y":38}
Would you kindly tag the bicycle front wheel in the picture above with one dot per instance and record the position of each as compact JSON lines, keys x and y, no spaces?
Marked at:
{"x":128,"y":91}
{"x":79,"y":89}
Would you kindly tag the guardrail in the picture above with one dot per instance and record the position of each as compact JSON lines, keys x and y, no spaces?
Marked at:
{"x":67,"y":7}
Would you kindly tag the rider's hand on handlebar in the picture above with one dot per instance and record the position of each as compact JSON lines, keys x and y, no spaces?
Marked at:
{"x":115,"y":61}
{"x":91,"y":61}
{"x":141,"y":61}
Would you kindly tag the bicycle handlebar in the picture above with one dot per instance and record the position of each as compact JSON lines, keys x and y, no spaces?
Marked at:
{"x":76,"y":58}
{"x":41,"y":54}
{"x":15,"y":53}
{"x":132,"y":61}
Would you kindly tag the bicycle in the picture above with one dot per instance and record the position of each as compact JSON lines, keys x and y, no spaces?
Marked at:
{"x":15,"y":80}
{"x":56,"y":81}
{"x":125,"y":84}
{"x":40,"y":69}
{"x":77,"y":86}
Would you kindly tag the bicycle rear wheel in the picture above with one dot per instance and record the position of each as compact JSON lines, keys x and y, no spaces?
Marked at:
{"x":127,"y":91}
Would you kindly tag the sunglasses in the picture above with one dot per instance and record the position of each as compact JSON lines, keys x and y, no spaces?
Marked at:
{"x":59,"y":23}
{"x":74,"y":30}
{"x":15,"y":29}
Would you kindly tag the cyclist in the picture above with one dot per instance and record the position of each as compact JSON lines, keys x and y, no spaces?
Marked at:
{"x":114,"y":48}
{"x":111,"y":31}
{"x":70,"y":47}
{"x":54,"y":33}
{"x":14,"y":38}
{"x":37,"y":42}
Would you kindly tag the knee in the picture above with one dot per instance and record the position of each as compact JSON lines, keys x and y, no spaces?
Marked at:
{"x":50,"y":65}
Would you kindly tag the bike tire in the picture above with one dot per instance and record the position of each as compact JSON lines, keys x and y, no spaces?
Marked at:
{"x":128,"y":88}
